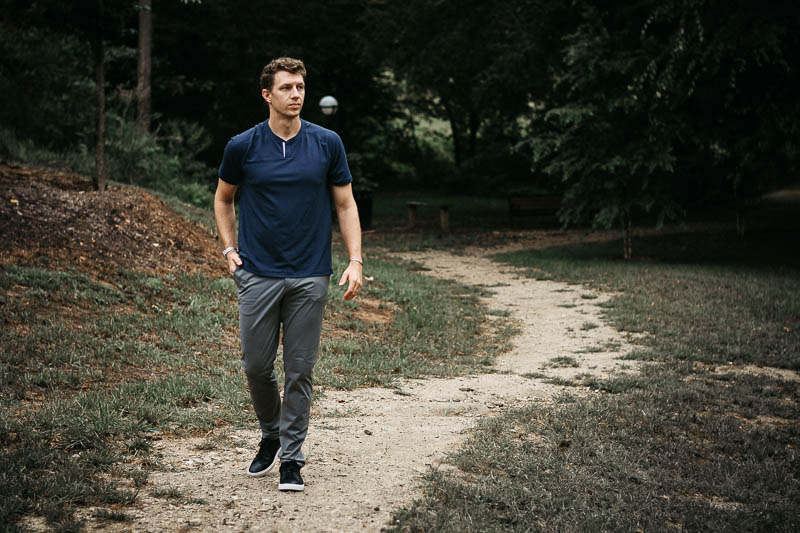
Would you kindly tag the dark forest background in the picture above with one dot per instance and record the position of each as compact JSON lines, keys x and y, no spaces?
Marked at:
{"x":642,"y":110}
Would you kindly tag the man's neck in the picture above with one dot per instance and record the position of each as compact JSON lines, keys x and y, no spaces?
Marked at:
{"x":284,"y":127}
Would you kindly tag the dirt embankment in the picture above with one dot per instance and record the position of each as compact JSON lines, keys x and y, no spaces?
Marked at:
{"x":57,"y":216}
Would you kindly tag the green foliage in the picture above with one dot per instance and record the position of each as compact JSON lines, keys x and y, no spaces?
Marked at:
{"x":651,"y":101}
{"x":165,"y":160}
{"x":473,"y":72}
{"x":13,"y":148}
{"x":46,"y":83}
{"x":608,"y":142}
{"x":646,"y":108}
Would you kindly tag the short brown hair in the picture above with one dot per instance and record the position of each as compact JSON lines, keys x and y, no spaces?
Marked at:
{"x":289,"y":64}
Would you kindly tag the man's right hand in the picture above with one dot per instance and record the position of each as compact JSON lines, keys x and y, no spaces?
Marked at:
{"x":234,"y":261}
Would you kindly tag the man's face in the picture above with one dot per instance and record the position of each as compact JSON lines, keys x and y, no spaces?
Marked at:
{"x":287,"y":94}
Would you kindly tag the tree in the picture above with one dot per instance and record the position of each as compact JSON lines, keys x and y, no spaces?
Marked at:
{"x":93,"y":22}
{"x":96,"y":21}
{"x":646,"y":90}
{"x":143,"y":72}
{"x":211,"y":76}
{"x":743,"y":116}
{"x":602,"y":133}
{"x":53,"y":115}
{"x":98,"y":51}
{"x":476,"y":71}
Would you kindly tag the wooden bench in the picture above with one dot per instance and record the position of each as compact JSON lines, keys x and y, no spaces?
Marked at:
{"x":539,"y":206}
{"x":444,"y":214}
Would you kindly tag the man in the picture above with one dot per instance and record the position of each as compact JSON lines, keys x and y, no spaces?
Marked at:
{"x":289,"y":170}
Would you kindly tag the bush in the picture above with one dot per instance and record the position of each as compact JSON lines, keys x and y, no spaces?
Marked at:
{"x":14,"y":148}
{"x":164,"y":163}
{"x":164,"y":160}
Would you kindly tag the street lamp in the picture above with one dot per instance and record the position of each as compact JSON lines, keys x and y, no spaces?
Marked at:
{"x":328,"y":105}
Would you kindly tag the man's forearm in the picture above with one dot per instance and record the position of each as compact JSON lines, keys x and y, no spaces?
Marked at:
{"x":225,"y":215}
{"x":350,"y":227}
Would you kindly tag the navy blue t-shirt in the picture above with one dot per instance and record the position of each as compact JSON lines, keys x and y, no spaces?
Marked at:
{"x":285,"y":205}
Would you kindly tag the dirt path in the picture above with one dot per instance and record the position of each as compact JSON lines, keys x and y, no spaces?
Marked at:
{"x":367,"y":448}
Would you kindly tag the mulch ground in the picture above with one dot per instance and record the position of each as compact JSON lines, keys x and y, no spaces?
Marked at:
{"x":58,"y":216}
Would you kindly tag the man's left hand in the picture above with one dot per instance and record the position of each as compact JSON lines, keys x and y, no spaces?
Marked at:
{"x":353,"y":277}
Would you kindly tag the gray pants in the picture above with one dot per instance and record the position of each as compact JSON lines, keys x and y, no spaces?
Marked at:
{"x":265,"y":304}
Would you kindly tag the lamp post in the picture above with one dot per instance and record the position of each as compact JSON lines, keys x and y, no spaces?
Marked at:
{"x":328,"y":105}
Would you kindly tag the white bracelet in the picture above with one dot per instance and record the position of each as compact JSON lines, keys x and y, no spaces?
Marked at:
{"x":228,"y":250}
{"x":359,"y":261}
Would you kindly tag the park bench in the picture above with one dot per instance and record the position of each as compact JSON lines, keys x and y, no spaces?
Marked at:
{"x":444,"y":214}
{"x":540,"y":206}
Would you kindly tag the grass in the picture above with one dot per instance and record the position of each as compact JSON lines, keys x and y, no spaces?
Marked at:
{"x":712,"y":313}
{"x":698,"y":440}
{"x":170,"y":493}
{"x":563,"y":361}
{"x":112,"y":515}
{"x":442,"y":331}
{"x":93,"y":368}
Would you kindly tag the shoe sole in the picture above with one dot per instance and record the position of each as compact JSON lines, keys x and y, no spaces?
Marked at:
{"x":263,"y":473}
{"x":290,"y":487}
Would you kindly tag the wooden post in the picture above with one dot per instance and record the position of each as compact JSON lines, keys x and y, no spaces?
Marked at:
{"x":412,"y":214}
{"x":444,"y":218}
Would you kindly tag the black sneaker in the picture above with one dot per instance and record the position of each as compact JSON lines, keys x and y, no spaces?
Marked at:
{"x":290,"y":476}
{"x":265,"y":459}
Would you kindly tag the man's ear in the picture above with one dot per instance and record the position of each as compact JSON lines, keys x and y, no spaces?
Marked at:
{"x":265,"y":94}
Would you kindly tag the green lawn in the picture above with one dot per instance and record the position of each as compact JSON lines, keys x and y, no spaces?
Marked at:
{"x":93,"y":367}
{"x":704,"y":439}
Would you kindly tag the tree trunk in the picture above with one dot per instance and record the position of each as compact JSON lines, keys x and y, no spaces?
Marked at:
{"x":741,"y":220}
{"x":99,"y":181}
{"x":455,"y":128}
{"x":627,"y":235}
{"x":474,"y":125}
{"x":143,"y":74}
{"x":740,"y":201}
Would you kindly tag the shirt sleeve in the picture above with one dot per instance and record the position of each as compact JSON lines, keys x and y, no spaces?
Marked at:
{"x":339,"y":171}
{"x":230,"y":170}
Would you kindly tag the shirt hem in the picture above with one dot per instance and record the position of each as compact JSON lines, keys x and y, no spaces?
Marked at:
{"x":287,"y":275}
